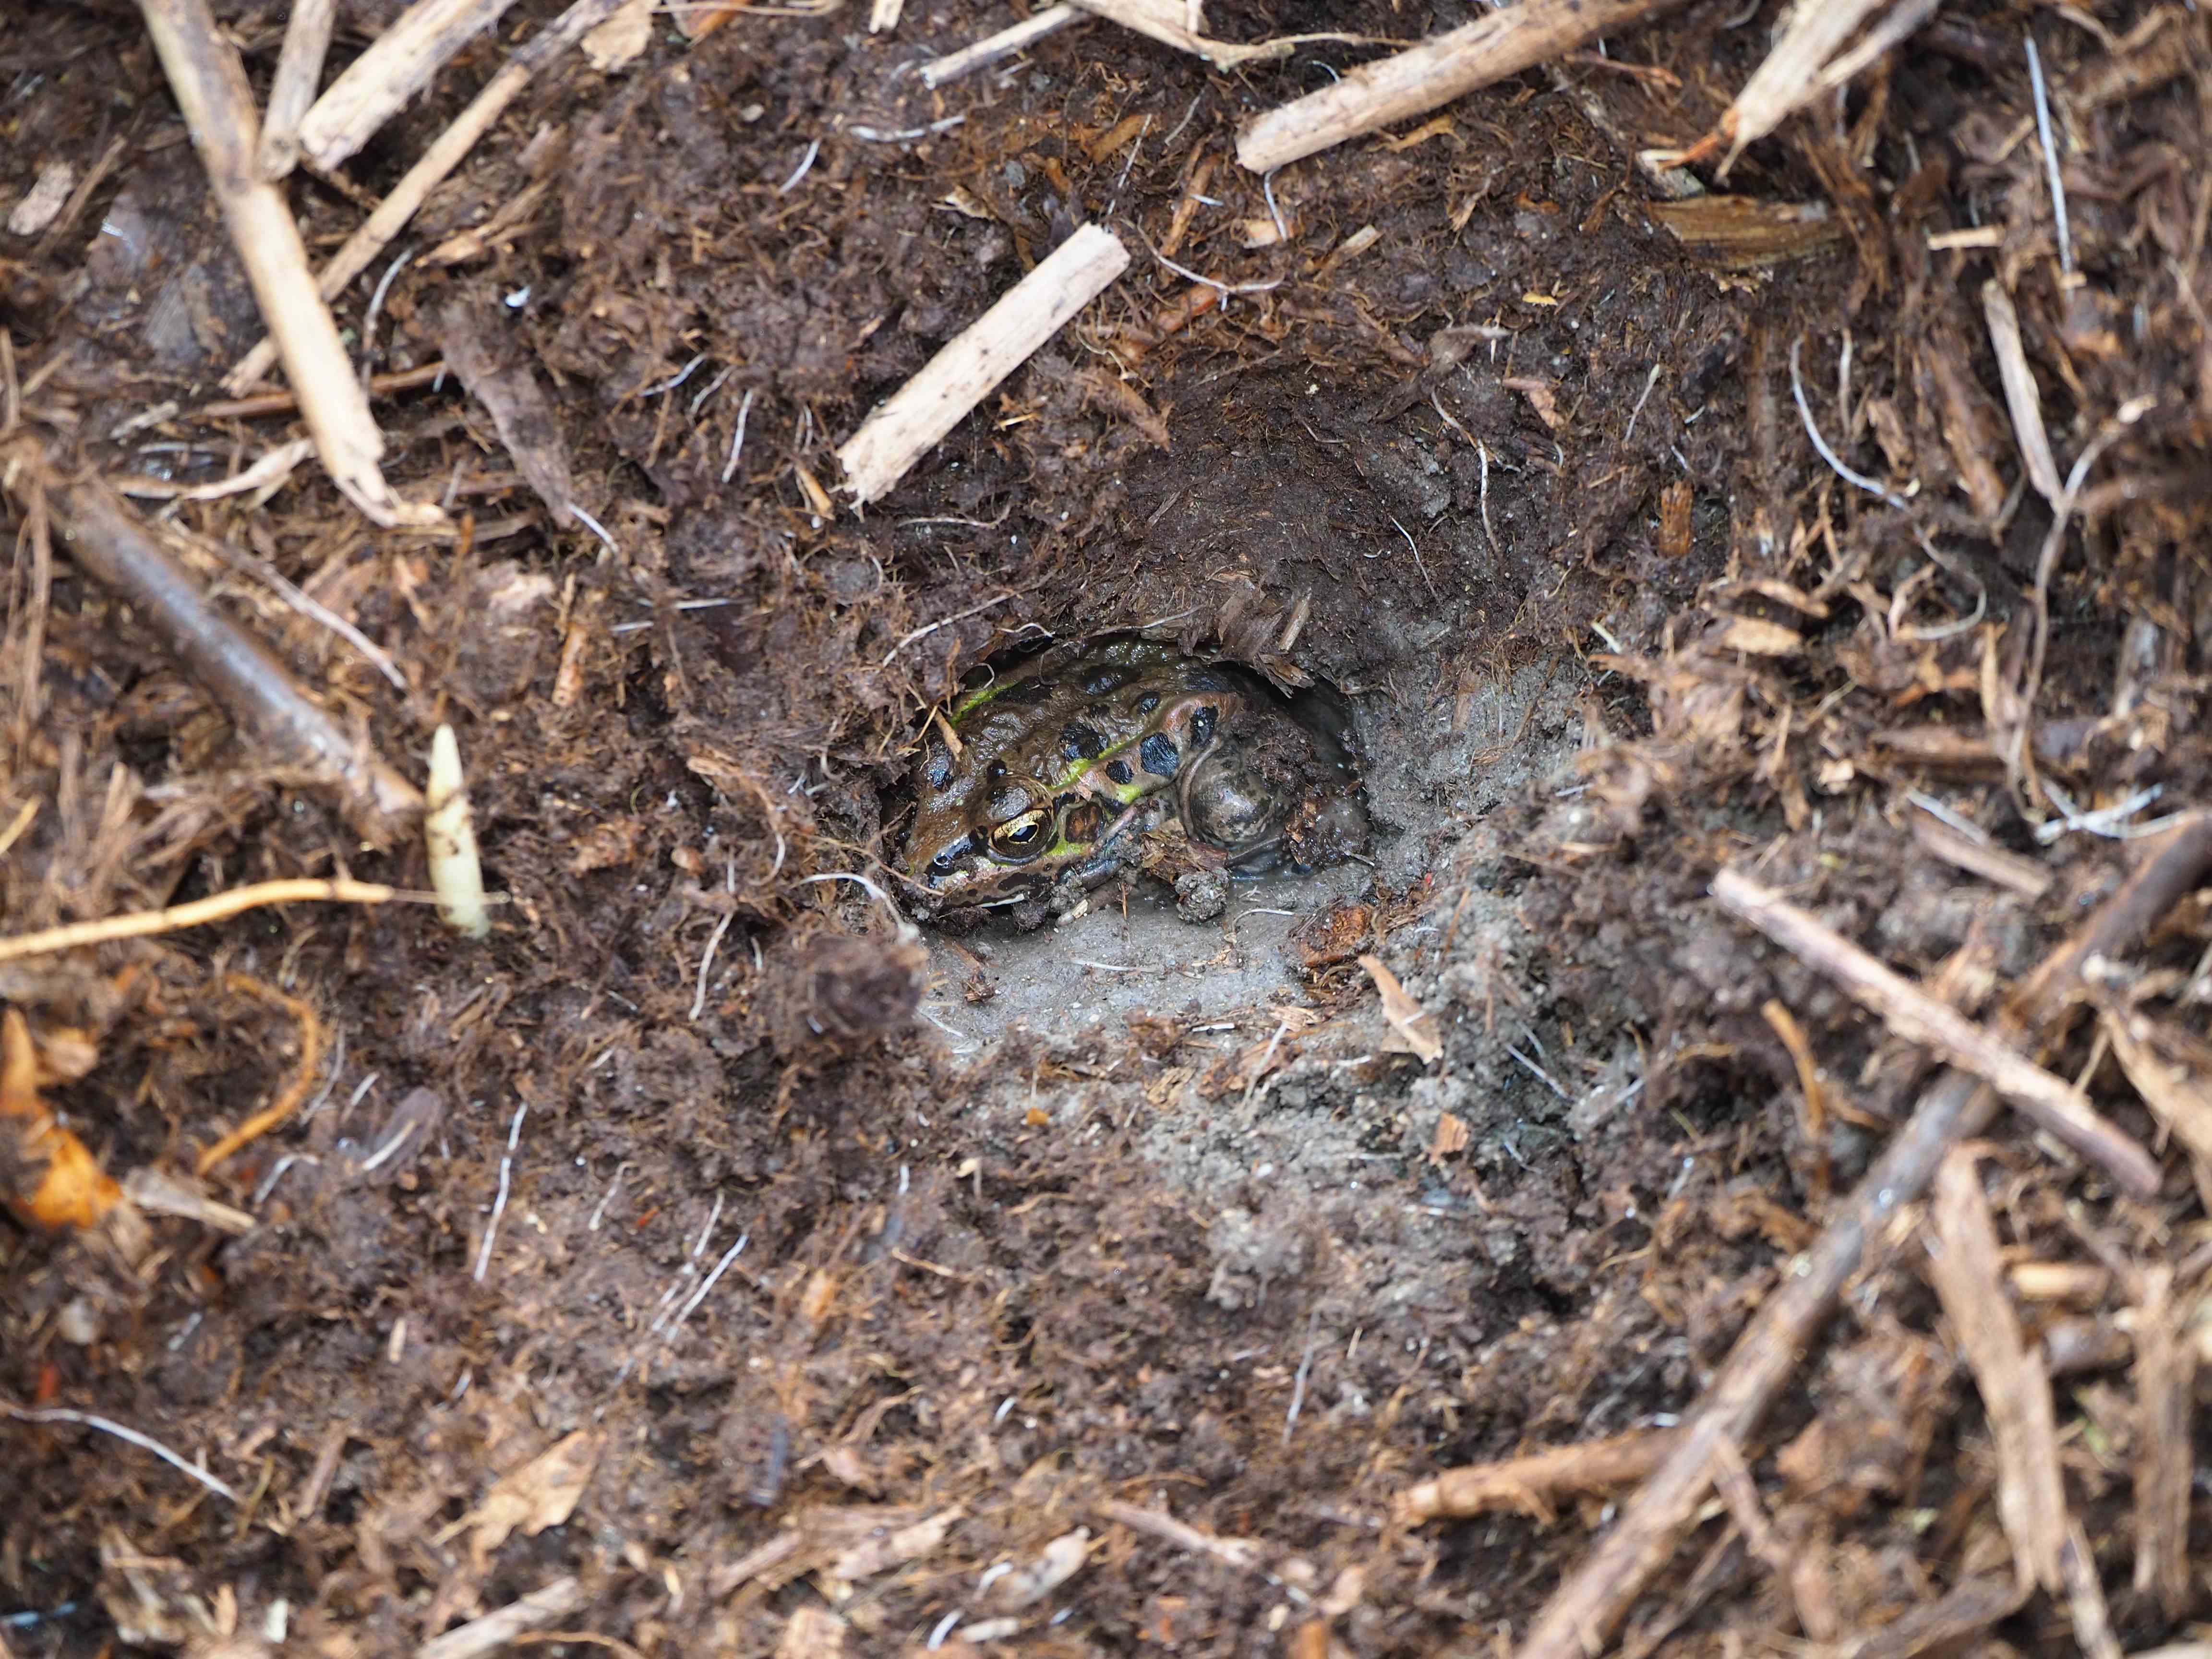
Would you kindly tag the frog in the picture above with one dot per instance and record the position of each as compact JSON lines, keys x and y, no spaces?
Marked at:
{"x":1056,"y":767}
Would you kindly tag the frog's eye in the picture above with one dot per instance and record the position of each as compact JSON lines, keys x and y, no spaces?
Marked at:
{"x":1020,"y":839}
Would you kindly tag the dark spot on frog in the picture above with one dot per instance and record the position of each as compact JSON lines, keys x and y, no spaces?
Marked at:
{"x":1201,"y":726}
{"x":1159,"y":755}
{"x":1120,"y":772}
{"x":1105,"y":680}
{"x":995,"y":770}
{"x":1148,"y":703}
{"x":1078,"y":741}
{"x":938,"y":769}
{"x":1206,"y":679}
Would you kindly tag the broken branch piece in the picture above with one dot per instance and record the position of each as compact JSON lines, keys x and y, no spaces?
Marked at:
{"x":299,"y":68}
{"x":959,"y":377}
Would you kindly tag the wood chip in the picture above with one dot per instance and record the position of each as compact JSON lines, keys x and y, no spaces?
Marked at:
{"x":1741,"y":233}
{"x":1757,"y":638}
{"x":505,"y":384}
{"x":1962,"y":1264}
{"x":2021,"y":398}
{"x":2164,"y":1454}
{"x":1533,"y":1484}
{"x":1415,"y":1026}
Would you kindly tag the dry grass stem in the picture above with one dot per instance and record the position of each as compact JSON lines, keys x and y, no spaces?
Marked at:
{"x":217,"y":906}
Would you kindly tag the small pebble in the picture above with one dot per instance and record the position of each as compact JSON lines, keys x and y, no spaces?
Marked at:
{"x":1202,"y":895}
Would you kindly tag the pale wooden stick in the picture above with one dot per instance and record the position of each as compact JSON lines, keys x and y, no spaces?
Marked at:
{"x":210,"y":86}
{"x":2050,"y":1102}
{"x":392,"y":214}
{"x":299,"y":69}
{"x":1439,"y":70}
{"x":1004,"y":44}
{"x":958,"y":377}
{"x":884,"y":14}
{"x":396,"y":67}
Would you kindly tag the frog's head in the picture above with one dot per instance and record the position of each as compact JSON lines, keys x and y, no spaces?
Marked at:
{"x":1010,"y":837}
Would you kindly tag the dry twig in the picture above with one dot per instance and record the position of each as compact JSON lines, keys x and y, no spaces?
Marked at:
{"x":394,"y":68}
{"x":928,"y":406}
{"x":1807,"y":60}
{"x":292,"y":94}
{"x":1005,"y":43}
{"x":1532,"y":1484}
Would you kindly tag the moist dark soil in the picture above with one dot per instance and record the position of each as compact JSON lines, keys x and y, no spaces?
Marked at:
{"x":767,"y":1277}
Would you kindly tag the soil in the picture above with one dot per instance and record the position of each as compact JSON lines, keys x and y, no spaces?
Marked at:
{"x":787,"y":1278}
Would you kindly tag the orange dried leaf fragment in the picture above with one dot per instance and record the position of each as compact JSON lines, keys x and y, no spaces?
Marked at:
{"x":53,"y":1180}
